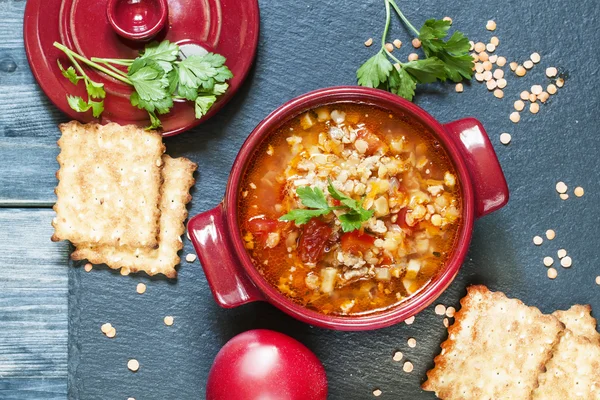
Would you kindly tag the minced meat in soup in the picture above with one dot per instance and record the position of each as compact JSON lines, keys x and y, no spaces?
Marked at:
{"x":392,"y":168}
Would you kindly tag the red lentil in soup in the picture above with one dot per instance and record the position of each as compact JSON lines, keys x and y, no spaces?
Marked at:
{"x":392,"y":167}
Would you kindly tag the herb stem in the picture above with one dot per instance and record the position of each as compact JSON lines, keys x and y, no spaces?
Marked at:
{"x":116,"y":61}
{"x":401,"y":15}
{"x":92,"y":64}
{"x":115,"y":69}
{"x":390,"y":55}
{"x":78,"y":67}
{"x":387,"y":23}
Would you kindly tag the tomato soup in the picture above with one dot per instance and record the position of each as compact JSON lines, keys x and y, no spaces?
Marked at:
{"x":349,"y":209}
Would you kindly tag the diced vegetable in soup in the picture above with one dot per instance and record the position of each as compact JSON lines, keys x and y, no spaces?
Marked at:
{"x":348,"y":209}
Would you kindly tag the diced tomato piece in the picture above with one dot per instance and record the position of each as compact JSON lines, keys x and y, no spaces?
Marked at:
{"x":259,"y":226}
{"x":313,"y":238}
{"x":402,"y":221}
{"x":336,"y":202}
{"x":356,"y":242}
{"x":375,"y":143}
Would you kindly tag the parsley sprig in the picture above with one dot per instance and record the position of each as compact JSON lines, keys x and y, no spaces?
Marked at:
{"x":445,"y":59}
{"x":158,"y":76}
{"x":317,"y":205}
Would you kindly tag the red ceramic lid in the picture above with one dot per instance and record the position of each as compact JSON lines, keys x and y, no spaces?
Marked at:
{"x":227,"y":27}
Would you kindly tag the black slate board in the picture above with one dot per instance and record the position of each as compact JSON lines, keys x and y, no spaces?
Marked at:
{"x":306,"y":45}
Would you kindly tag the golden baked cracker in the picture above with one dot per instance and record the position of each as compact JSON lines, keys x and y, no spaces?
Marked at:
{"x":178,"y":179}
{"x":578,"y":319}
{"x":109,"y":185}
{"x":573,"y":372}
{"x":495,"y":349}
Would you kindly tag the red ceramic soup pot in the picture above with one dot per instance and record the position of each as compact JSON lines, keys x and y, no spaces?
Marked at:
{"x":229,"y":270}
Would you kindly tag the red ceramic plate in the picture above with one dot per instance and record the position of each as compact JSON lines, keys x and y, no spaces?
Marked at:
{"x":227,"y":27}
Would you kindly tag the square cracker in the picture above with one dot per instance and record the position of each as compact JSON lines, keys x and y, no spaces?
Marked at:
{"x":578,"y":319}
{"x":178,"y":179}
{"x":495,"y":349}
{"x":109,"y":185}
{"x":573,"y":372}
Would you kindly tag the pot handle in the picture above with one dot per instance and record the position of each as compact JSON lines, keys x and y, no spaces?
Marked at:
{"x":489,"y":183}
{"x":227,"y":280}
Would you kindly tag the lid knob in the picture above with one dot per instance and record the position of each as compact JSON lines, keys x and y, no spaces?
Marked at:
{"x":138,"y":20}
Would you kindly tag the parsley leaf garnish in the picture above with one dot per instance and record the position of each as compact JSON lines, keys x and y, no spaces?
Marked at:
{"x":316,"y":203}
{"x":158,"y":76}
{"x":445,"y":59}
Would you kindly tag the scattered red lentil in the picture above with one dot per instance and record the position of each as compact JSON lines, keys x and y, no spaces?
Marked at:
{"x":408,"y":367}
{"x":550,"y":234}
{"x":537,"y":240}
{"x":377,"y":392}
{"x":440,"y":309}
{"x":505,"y":138}
{"x":552,"y":273}
{"x":459,"y":88}
{"x":88,"y":267}
{"x":133,"y":365}
{"x":369,"y":42}
{"x":397,"y":356}
{"x":566,"y":262}
{"x":412,"y":342}
{"x":397,"y":43}
{"x":548,"y":261}
{"x":409,"y":320}
{"x":551,"y":72}
{"x":561,"y":187}
{"x":491,"y":25}
{"x":450,"y":311}
{"x":190,"y":258}
{"x":141,"y":288}
{"x":416,"y":43}
{"x":578,"y":191}
{"x":562,"y":253}
{"x":169,"y":320}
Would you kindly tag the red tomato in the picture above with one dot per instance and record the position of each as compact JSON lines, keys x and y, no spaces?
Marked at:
{"x":356,"y":242}
{"x":266,"y":365}
{"x":313,"y":239}
{"x":374,"y":142}
{"x":261,"y":225}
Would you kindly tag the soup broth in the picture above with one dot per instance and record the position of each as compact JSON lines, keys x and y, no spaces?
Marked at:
{"x":389,"y":165}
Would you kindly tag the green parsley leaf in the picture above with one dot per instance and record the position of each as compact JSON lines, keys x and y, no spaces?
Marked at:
{"x":203,"y":104}
{"x":154,"y":122}
{"x":217,"y":61}
{"x":402,"y":83}
{"x":69,"y":73}
{"x":374,"y":71}
{"x":97,"y":107}
{"x":173,"y":78}
{"x":352,"y":204}
{"x":149,"y":81}
{"x":77,"y":103}
{"x":302,"y":216}
{"x":445,"y":59}
{"x":454,"y":53}
{"x":351,"y":221}
{"x":95,"y":90}
{"x":194,"y":71}
{"x":164,"y":53}
{"x":312,"y":197}
{"x":426,"y":70}
{"x":189,"y":93}
{"x":220,"y":88}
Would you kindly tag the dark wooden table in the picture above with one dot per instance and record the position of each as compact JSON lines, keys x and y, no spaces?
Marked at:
{"x":50,"y":313}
